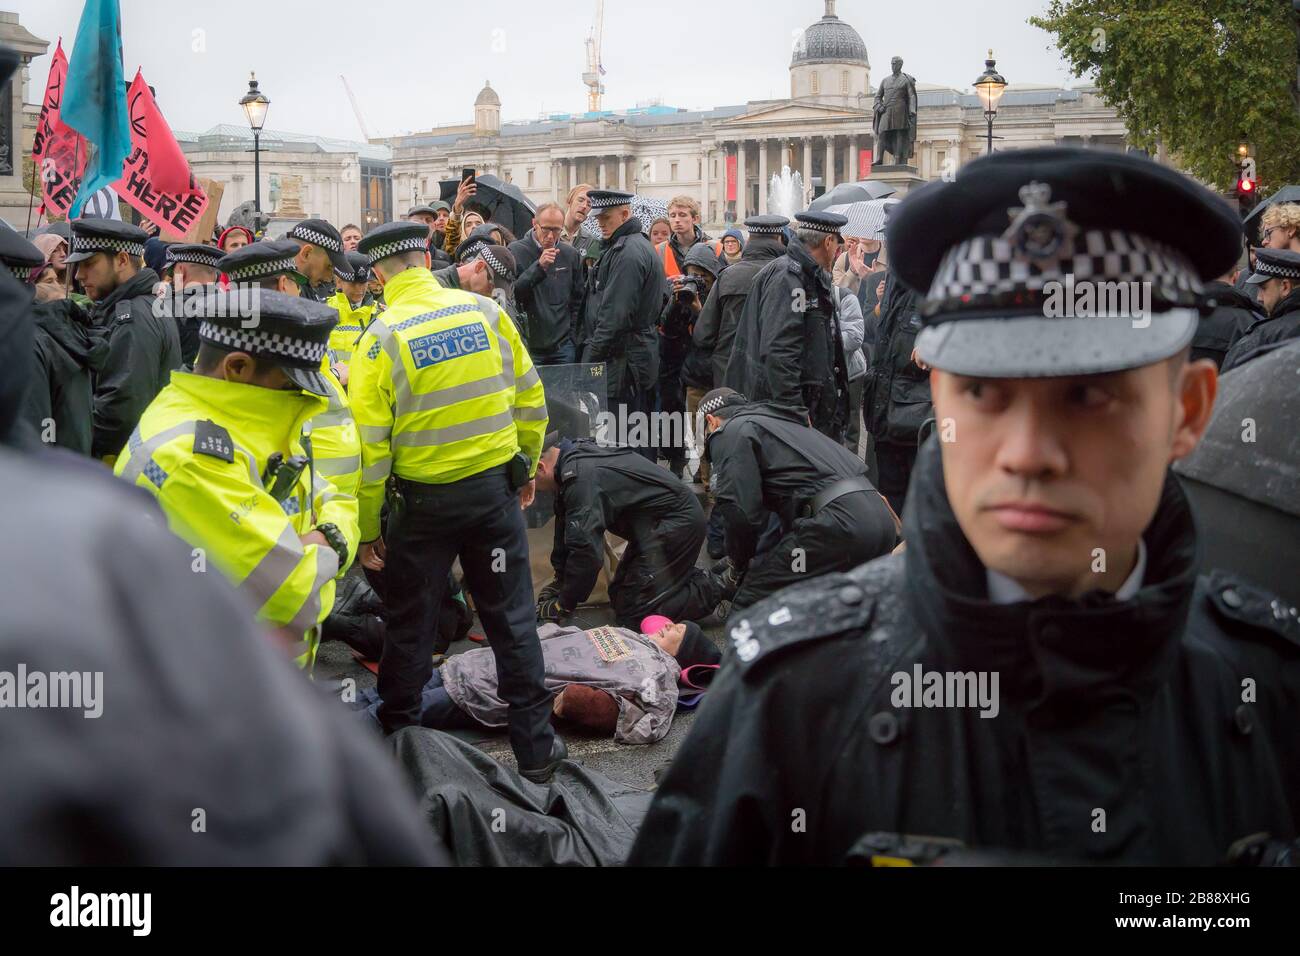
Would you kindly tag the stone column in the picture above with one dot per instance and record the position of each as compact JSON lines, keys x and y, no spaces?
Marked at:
{"x":763,"y":178}
{"x":704,"y":184}
{"x":741,"y":212}
{"x":600,"y":176}
{"x":829,"y":177}
{"x":851,"y":161}
{"x":622,"y":173}
{"x":807,"y":167}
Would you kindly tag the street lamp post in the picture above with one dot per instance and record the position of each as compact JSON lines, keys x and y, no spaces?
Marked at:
{"x":255,"y":104}
{"x":989,"y":86}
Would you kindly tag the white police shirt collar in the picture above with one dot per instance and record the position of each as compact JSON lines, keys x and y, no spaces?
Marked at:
{"x":1003,"y":590}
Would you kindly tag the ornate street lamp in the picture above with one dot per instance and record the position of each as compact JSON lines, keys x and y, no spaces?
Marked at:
{"x":255,"y":104}
{"x":990,"y":86}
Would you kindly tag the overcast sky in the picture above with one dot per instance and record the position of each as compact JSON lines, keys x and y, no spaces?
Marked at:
{"x":414,"y":65}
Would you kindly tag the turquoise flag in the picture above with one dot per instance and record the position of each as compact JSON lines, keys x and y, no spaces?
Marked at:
{"x":94,"y":97}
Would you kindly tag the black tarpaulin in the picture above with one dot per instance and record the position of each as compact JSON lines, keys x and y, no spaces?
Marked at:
{"x":490,"y":816}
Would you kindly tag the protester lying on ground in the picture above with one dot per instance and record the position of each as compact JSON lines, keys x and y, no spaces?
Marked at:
{"x":607,"y":680}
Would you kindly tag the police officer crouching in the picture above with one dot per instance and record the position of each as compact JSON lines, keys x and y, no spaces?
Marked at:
{"x":221,"y":450}
{"x":452,"y":410}
{"x":1041,"y":671}
{"x":765,"y":459}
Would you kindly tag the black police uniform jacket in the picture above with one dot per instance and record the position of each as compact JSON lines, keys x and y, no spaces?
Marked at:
{"x":1121,"y":736}
{"x":768,"y":461}
{"x":552,"y":297}
{"x":625,"y":294}
{"x":715,"y":330}
{"x":896,"y":392}
{"x":1283,"y":323}
{"x":609,"y":489}
{"x":1227,"y":314}
{"x":69,"y":352}
{"x":788,"y":347}
{"x":144,"y":348}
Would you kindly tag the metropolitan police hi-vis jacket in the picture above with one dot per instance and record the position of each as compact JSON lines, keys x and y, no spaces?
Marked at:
{"x":201,"y":449}
{"x":441,"y":388}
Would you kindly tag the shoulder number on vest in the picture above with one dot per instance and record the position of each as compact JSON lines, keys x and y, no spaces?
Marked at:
{"x":213,"y":440}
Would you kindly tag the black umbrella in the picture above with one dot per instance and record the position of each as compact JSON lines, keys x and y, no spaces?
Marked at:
{"x":1242,"y":478}
{"x":501,"y":202}
{"x":846,"y":193}
{"x":1250,"y":225}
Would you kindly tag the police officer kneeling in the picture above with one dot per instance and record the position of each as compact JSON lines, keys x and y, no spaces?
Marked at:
{"x":1041,"y":670}
{"x":449,"y":404}
{"x":765,"y":460}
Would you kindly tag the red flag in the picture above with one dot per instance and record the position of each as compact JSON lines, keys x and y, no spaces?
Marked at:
{"x":159,"y":184}
{"x":58,"y":151}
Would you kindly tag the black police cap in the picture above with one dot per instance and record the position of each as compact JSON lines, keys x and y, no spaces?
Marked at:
{"x":17,"y":254}
{"x":608,"y":198}
{"x":394,"y":238}
{"x":1001,"y":254}
{"x":262,"y":260}
{"x":766,"y":225}
{"x":1275,"y":264}
{"x":195,"y":254}
{"x":286,"y":330}
{"x":358,"y":268}
{"x":828,"y":222}
{"x":90,"y":236}
{"x":318,"y":232}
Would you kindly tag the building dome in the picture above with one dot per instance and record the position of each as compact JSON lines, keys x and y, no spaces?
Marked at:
{"x":830,"y":40}
{"x":488,"y":96}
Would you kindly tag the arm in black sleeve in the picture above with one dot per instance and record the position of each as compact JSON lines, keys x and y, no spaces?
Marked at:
{"x":584,"y":542}
{"x":707,"y":325}
{"x":781,"y":331}
{"x":613,"y":320}
{"x":738,"y":493}
{"x":121,"y":395}
{"x":38,"y":403}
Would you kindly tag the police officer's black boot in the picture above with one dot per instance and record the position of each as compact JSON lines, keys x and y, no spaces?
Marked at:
{"x":544,"y":773}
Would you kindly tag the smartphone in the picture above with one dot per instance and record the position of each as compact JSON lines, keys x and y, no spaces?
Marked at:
{"x":467,"y":172}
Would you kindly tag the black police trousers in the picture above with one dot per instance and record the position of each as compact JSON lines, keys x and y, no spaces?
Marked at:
{"x":851,"y":530}
{"x":478,"y":520}
{"x":657,"y":573}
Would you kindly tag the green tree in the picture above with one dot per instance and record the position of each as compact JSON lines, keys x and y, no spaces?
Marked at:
{"x":1199,"y":76}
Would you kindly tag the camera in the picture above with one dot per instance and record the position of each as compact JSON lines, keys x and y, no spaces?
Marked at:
{"x":690,"y":285}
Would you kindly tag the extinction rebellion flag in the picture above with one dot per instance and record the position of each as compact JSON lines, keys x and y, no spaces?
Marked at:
{"x":59,"y":153}
{"x":156,"y":178}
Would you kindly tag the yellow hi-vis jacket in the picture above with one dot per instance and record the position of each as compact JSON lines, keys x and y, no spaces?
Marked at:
{"x":335,"y":442}
{"x":352,"y":322}
{"x":442,"y":388}
{"x":201,"y":448}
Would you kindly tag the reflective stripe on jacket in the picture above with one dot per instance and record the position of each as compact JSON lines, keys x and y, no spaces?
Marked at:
{"x":670,"y":261}
{"x":212,"y":494}
{"x":335,"y":442}
{"x":352,"y":322}
{"x":441,"y":388}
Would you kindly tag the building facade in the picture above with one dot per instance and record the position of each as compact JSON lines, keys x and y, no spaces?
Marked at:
{"x":726,"y":156}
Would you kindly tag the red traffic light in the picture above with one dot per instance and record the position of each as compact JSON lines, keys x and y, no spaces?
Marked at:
{"x":1246,"y":185}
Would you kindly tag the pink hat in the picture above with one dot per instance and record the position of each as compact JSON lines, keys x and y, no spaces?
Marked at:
{"x":654,"y":624}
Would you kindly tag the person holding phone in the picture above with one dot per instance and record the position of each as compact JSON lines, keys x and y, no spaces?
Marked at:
{"x":549,"y":288}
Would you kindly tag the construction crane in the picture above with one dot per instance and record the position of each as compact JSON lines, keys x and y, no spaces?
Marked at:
{"x":356,"y":109}
{"x":594,"y":68}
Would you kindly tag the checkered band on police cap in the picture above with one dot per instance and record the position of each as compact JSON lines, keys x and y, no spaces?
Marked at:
{"x":21,"y":273}
{"x":92,"y":244}
{"x":719,"y":399}
{"x":307,"y":234}
{"x":290,"y":350}
{"x":768,"y":230}
{"x":206,"y":256}
{"x":471,"y":248}
{"x":604,"y":199}
{"x":262,"y":270}
{"x":499,"y":268}
{"x":396,"y":247}
{"x":1275,"y":270}
{"x":814,"y":225}
{"x":996,"y":271}
{"x":357,"y":275}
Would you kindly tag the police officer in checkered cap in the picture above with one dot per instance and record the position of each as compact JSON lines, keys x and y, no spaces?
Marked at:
{"x":1049,"y":554}
{"x":194,"y":269}
{"x":271,"y":265}
{"x":452,"y":415}
{"x":144,"y":344}
{"x":1277,"y":276}
{"x":320,"y":252}
{"x":226,"y":451}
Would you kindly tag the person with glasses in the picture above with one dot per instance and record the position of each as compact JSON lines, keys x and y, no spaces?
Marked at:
{"x":1280,"y":227}
{"x":549,"y":289}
